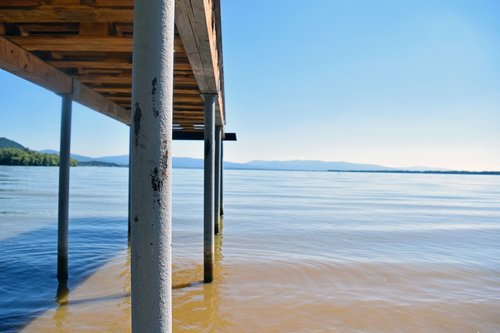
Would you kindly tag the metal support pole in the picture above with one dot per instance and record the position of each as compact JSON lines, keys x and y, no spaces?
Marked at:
{"x":151,"y":167}
{"x":218,"y":134}
{"x":129,"y":194}
{"x":208,"y":202}
{"x":63,"y":210}
{"x":221,"y":181}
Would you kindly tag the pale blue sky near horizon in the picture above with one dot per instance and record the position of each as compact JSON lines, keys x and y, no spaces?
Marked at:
{"x":389,"y":82}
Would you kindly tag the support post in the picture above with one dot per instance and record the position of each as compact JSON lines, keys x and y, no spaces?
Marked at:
{"x":221,"y":181}
{"x":151,"y":167}
{"x":63,"y":209}
{"x":218,"y":135}
{"x":208,"y":202}
{"x":129,"y":226}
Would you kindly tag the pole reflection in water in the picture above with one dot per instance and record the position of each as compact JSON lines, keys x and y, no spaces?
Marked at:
{"x":62,"y":293}
{"x":197,"y":308}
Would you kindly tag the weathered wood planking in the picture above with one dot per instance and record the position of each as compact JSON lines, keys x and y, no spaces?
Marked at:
{"x":195,"y":24}
{"x":90,"y":41}
{"x":21,"y":63}
{"x":75,"y":43}
{"x":18,"y":61}
{"x":57,"y":15}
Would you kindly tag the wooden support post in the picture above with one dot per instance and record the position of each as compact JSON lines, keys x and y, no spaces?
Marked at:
{"x":208,"y":202}
{"x":218,"y":139}
{"x":63,"y":210}
{"x":151,"y":167}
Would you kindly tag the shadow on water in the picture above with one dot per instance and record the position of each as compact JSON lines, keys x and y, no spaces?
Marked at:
{"x":28,"y":264}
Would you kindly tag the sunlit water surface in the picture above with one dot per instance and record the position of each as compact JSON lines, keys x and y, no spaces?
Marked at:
{"x":300,"y":252}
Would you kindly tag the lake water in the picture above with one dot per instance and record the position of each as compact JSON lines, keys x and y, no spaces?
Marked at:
{"x":300,"y":252}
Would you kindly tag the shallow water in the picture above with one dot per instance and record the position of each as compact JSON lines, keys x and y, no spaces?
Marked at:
{"x":300,"y":252}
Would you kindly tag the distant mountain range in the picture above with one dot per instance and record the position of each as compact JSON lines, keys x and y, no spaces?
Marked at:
{"x":304,"y":165}
{"x":119,"y":159}
{"x":194,"y":163}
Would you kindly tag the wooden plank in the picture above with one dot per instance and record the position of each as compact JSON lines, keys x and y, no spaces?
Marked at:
{"x":75,"y":43}
{"x":187,"y":91}
{"x":218,"y":32}
{"x":65,"y":15}
{"x":189,"y":113}
{"x":59,"y":3}
{"x":188,"y":107}
{"x":104,"y":79}
{"x":88,"y":97}
{"x":194,"y":22}
{"x":94,"y":29}
{"x":105,"y":63}
{"x":99,"y":71}
{"x":110,"y":90}
{"x":120,"y":98}
{"x":114,"y":3}
{"x":48,"y":28}
{"x":187,"y":99}
{"x":20,"y":3}
{"x":194,"y":37}
{"x":23,"y":64}
{"x":193,"y":117}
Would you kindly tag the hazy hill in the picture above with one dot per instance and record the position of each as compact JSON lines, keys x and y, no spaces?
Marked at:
{"x":118,"y":159}
{"x":13,"y":153}
{"x":311,"y":165}
{"x":79,"y":158}
{"x":6,"y":143}
{"x":195,"y":163}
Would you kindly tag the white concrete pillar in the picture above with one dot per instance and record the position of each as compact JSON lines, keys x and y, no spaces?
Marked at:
{"x":209,"y":200}
{"x":63,"y":209}
{"x":151,"y":167}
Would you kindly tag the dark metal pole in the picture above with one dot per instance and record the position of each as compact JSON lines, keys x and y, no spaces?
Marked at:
{"x":208,"y":202}
{"x":63,"y":211}
{"x":129,"y":192}
{"x":218,"y":134}
{"x":221,"y":181}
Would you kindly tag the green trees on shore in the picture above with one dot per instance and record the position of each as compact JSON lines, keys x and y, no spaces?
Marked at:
{"x":15,"y":156}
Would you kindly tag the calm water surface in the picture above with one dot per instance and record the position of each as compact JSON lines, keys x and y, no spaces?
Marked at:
{"x":300,"y":252}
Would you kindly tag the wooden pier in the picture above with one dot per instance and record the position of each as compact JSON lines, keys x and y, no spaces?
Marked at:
{"x":156,"y":65}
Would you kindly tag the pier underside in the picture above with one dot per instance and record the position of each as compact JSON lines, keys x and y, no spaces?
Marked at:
{"x":154,"y":65}
{"x":84,"y":48}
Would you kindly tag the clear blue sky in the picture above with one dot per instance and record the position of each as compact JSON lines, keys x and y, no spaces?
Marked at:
{"x":396,"y":83}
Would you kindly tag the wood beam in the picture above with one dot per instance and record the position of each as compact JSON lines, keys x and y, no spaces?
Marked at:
{"x":75,"y":43}
{"x":194,"y":23}
{"x":106,"y":79}
{"x":18,"y":61}
{"x":94,"y":28}
{"x":64,"y":15}
{"x":108,"y":64}
{"x":92,"y":99}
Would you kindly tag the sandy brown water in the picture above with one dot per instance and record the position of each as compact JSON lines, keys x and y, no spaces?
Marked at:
{"x":300,"y":252}
{"x":259,"y":297}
